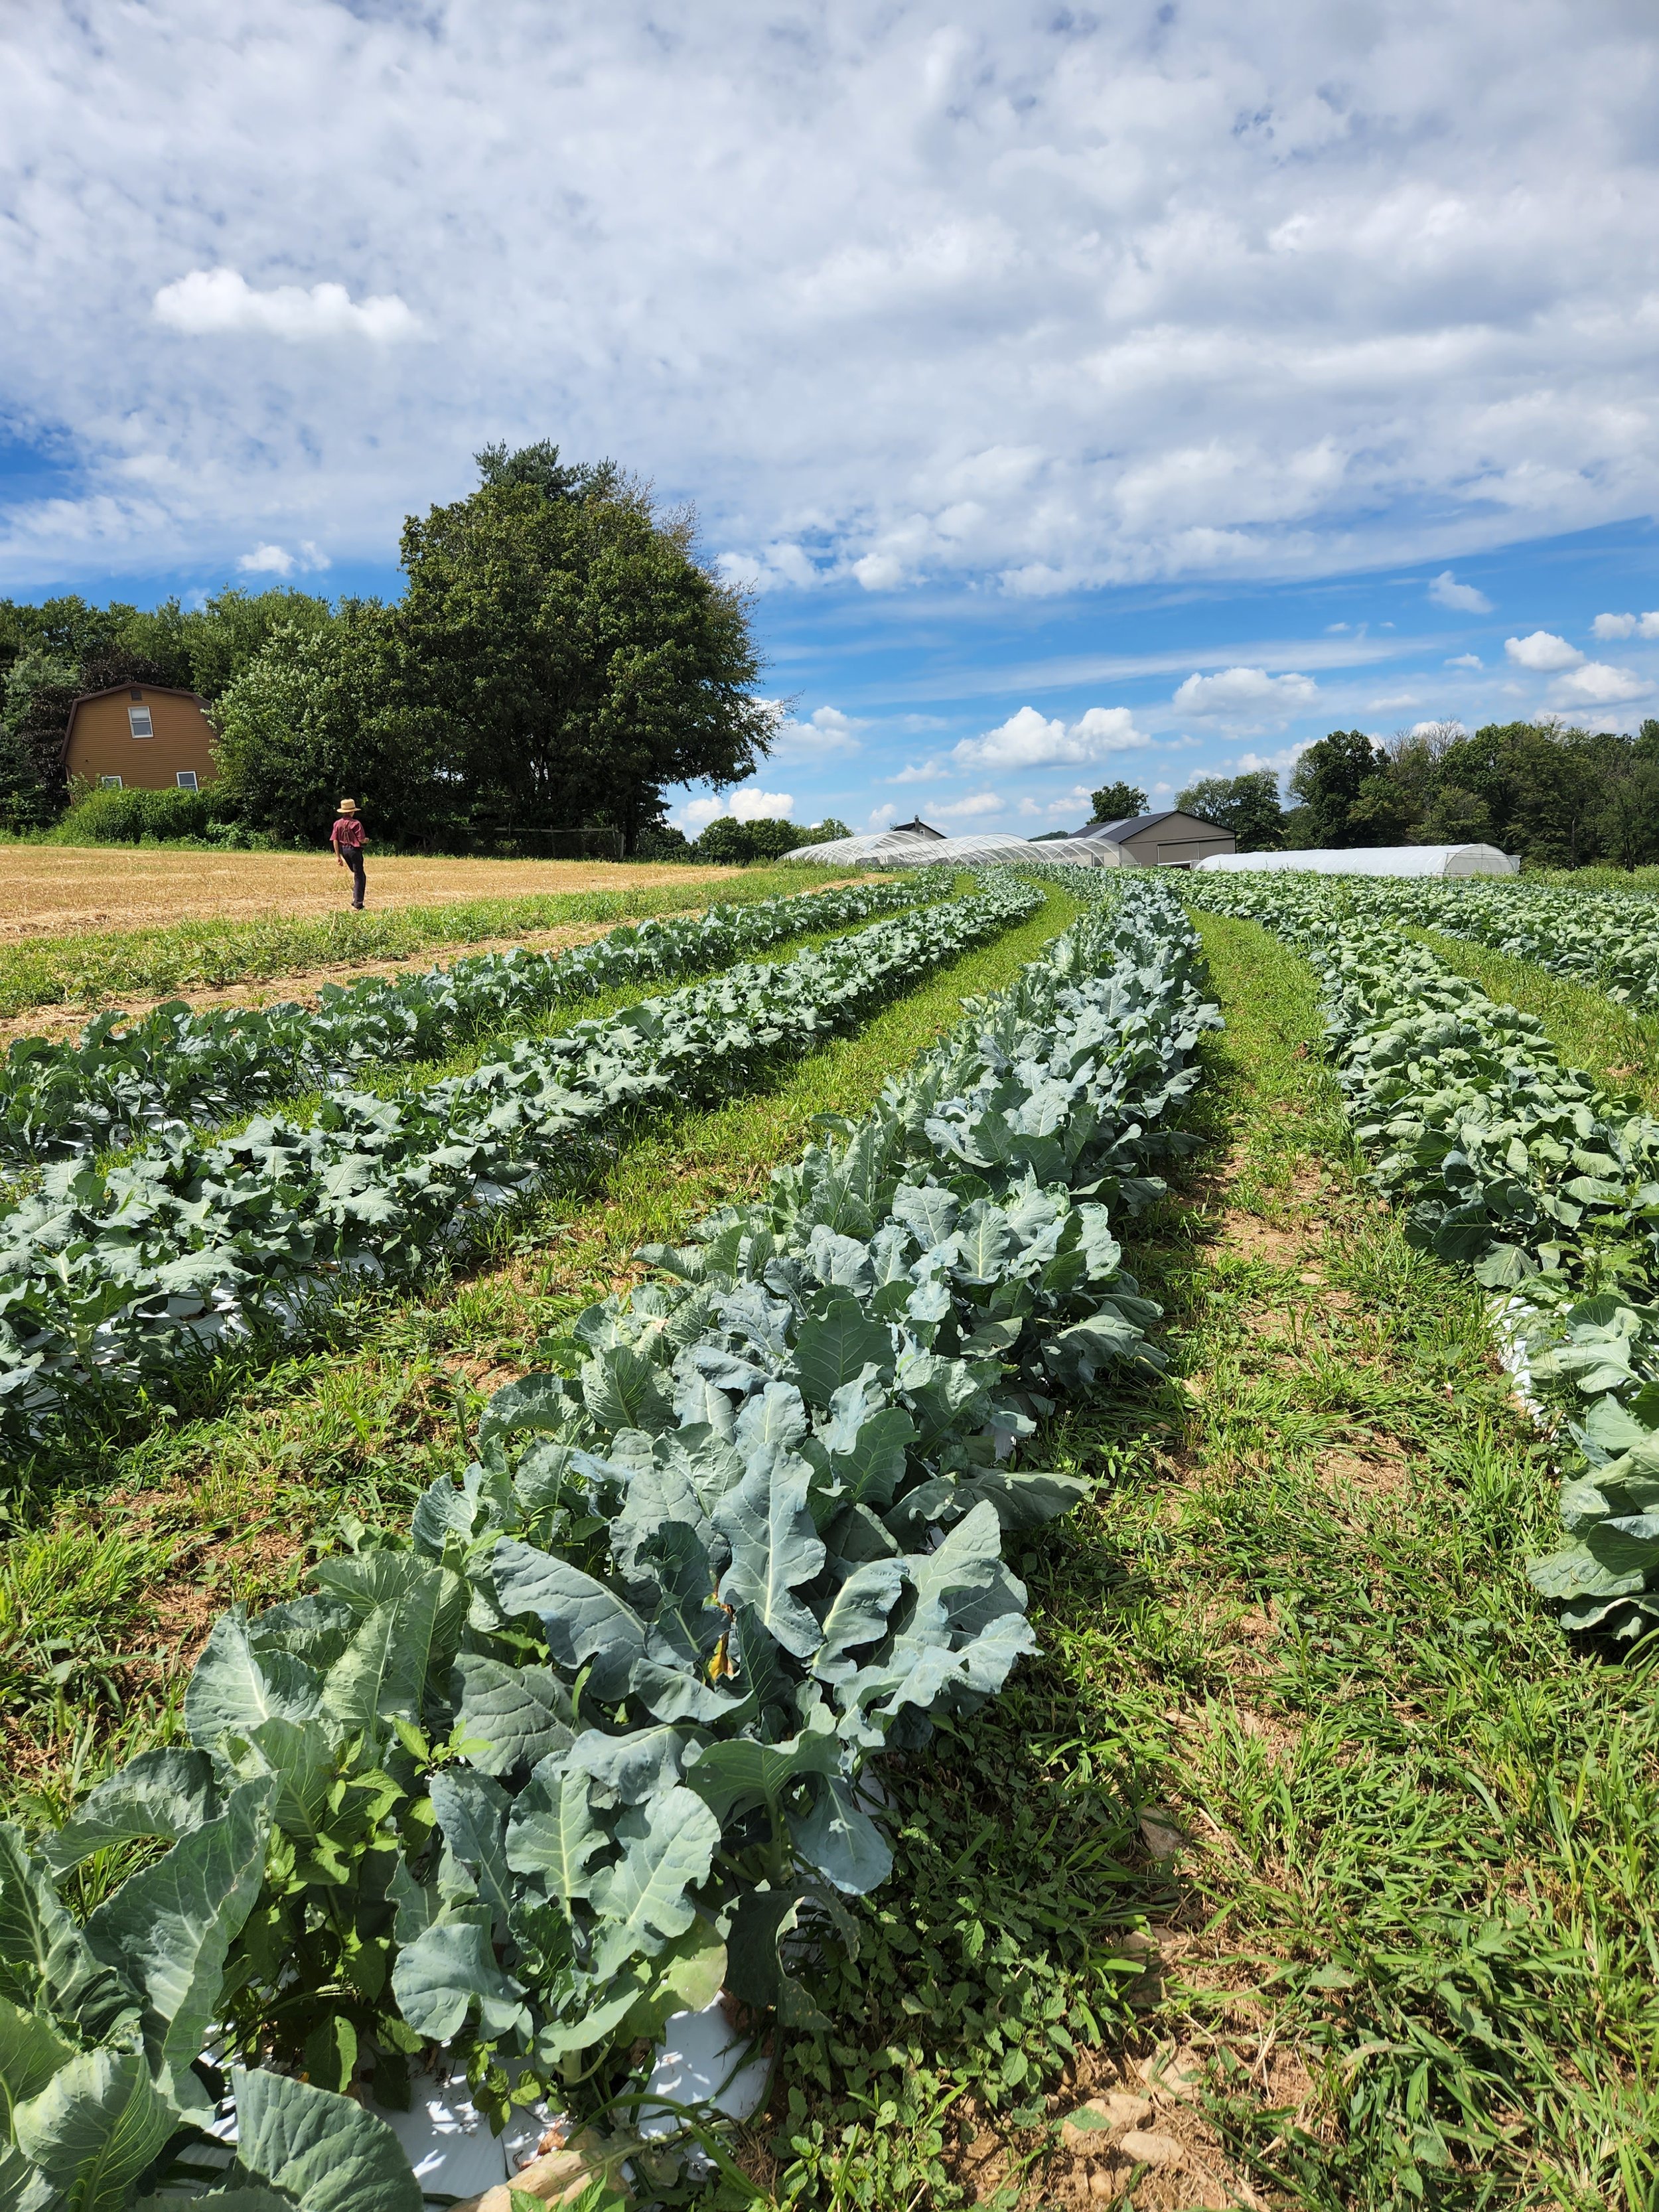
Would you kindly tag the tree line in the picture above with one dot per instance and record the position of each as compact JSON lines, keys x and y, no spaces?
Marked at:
{"x":1559,"y":796}
{"x":559,"y":656}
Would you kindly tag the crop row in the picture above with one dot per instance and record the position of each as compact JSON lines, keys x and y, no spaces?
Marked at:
{"x":1607,"y":939}
{"x":1526,"y":1170}
{"x":122,"y":1079}
{"x":111,"y":1276}
{"x":591,"y":1741}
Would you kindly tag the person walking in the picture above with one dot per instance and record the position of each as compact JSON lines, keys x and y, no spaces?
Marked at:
{"x":347,"y":840}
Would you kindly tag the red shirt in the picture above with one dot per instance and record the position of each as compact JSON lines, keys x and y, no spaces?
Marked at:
{"x":347,"y":834}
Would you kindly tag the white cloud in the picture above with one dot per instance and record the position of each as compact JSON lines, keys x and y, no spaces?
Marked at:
{"x":927,"y":771}
{"x":1247,"y":696}
{"x":1434,"y":729}
{"x":1542,"y":650}
{"x":826,"y":730}
{"x":1446,"y":592}
{"x":211,"y":301}
{"x":898,"y":294}
{"x":743,"y":804}
{"x":1392,"y":702}
{"x":979,"y":802}
{"x":1612,"y":626}
{"x":1596,"y":684}
{"x":1029,"y":739}
{"x":277,"y":561}
{"x":761,"y":805}
{"x":1466,"y":660}
{"x":1280,"y":762}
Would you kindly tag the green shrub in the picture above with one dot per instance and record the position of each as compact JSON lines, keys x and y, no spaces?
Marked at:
{"x":123,"y":818}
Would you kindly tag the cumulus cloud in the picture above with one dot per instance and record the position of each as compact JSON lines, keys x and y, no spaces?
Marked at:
{"x":1029,"y":739}
{"x":1542,"y":649}
{"x":906,"y":294}
{"x":1392,"y":701}
{"x":968,"y":809}
{"x":742,"y":804}
{"x":277,"y":561}
{"x":1446,"y":592}
{"x":1596,"y":684}
{"x":1247,"y":695}
{"x":826,"y":730}
{"x":1438,"y":729}
{"x":1280,"y":762}
{"x":211,"y":301}
{"x":1612,"y":626}
{"x":1466,"y":660}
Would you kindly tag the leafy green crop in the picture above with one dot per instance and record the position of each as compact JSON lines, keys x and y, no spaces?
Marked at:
{"x":121,"y":1079}
{"x":1529,"y":1172}
{"x":593,"y":1742}
{"x":106,"y":1277}
{"x":103,"y":2023}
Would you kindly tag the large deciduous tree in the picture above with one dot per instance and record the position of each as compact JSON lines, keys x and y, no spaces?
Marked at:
{"x":1247,"y":805}
{"x":1118,"y":802}
{"x":1329,"y":781}
{"x":314,"y":718}
{"x":567,"y":655}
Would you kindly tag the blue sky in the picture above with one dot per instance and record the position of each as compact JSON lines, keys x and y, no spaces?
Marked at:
{"x":1084,"y":395}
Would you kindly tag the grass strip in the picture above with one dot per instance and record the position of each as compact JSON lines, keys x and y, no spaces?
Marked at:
{"x":103,"y":967}
{"x":1306,"y":1811}
{"x":117,"y":1561}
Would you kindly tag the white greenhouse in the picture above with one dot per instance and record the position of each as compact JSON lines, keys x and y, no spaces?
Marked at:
{"x":1377,"y":860}
{"x":898,"y":848}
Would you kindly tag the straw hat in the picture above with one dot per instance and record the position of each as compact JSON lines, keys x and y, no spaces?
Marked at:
{"x":348,"y":806}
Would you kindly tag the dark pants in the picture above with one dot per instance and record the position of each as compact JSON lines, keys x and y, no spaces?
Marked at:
{"x":355,"y":862}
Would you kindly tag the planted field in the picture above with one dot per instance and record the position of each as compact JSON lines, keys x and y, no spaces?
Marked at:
{"x":1036,"y":1585}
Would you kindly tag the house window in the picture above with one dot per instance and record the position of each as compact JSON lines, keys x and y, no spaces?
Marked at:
{"x":109,"y":783}
{"x":139,"y":723}
{"x":185,"y":779}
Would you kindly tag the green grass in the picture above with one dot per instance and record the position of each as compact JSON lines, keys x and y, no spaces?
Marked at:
{"x":238,"y":1499}
{"x":1407,"y":1934}
{"x":1587,"y":1029}
{"x":101,"y":968}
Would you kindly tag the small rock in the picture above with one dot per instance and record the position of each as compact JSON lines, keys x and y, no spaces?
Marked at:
{"x":1134,"y":1943}
{"x":1176,"y":2074}
{"x":1101,"y":2185}
{"x":1161,"y":1838}
{"x":1123,"y":2109}
{"x":1085,"y":2132}
{"x":1148,"y":2149}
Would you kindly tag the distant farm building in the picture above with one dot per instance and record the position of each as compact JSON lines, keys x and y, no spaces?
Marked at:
{"x":143,"y":736}
{"x":1171,"y":839}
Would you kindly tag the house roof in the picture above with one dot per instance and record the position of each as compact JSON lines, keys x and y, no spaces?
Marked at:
{"x":110,"y":691}
{"x":916,"y":828}
{"x":1131,"y":825}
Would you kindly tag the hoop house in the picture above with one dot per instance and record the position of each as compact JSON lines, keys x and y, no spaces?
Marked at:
{"x":891,"y":848}
{"x":1377,"y":860}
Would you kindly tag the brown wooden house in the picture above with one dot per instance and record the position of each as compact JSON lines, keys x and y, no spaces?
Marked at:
{"x":145,"y":735}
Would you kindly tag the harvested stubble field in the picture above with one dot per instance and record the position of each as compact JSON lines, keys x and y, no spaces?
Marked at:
{"x":198,"y":925}
{"x":49,"y":890}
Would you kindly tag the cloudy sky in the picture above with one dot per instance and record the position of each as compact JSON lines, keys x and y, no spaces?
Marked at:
{"x":1134,"y":390}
